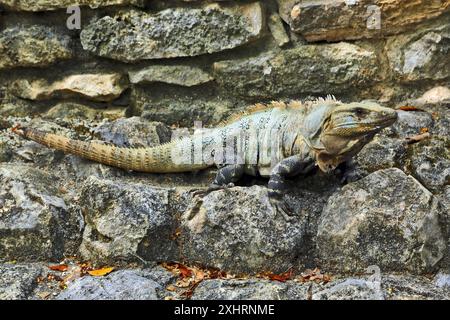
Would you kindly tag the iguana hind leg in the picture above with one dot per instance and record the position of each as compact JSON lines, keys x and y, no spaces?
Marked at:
{"x":225,"y":178}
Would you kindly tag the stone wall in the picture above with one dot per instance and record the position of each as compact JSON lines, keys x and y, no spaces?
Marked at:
{"x":181,"y":61}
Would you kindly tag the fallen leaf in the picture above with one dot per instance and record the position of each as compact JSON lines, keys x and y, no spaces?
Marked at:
{"x":59,"y":267}
{"x":199,"y":275}
{"x":101,"y":272}
{"x":283,"y":277}
{"x":171,"y":287}
{"x":314,"y":275}
{"x":44,"y":294}
{"x":418,"y":137}
{"x":423,"y":130}
{"x":409,"y":108}
{"x":185,"y":272}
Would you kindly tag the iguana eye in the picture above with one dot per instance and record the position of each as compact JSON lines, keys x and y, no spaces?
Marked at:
{"x":359,"y":111}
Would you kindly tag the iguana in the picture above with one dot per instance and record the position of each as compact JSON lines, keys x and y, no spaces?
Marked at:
{"x":276,"y":140}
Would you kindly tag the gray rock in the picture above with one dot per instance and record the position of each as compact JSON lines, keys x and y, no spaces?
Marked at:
{"x":410,"y":123}
{"x":276,"y":27}
{"x":174,"y":32}
{"x":387,"y":219}
{"x":33,"y":46}
{"x":350,"y":19}
{"x":133,"y":132}
{"x":183,"y":75}
{"x":46,"y":5}
{"x":407,"y":287}
{"x":119,"y":285}
{"x":125,"y":221}
{"x":442,"y":280}
{"x":430,"y":162}
{"x":381,"y":153}
{"x":182,"y":106}
{"x":322,"y":69}
{"x":351,"y":289}
{"x":421,"y":55}
{"x":441,"y":115}
{"x":71,"y":110}
{"x":17,"y":281}
{"x":35,"y":222}
{"x":239,"y":231}
{"x":251,"y":289}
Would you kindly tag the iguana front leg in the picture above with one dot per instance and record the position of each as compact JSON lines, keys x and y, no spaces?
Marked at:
{"x":225,"y":178}
{"x":348,"y":172}
{"x":277,"y":183}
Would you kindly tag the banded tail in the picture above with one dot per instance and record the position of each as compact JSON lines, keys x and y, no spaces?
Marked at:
{"x":156,"y":159}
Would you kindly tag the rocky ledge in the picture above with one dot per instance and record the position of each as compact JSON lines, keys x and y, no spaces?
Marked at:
{"x":382,"y":235}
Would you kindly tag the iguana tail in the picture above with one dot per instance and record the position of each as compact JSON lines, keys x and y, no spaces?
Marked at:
{"x":159,"y":159}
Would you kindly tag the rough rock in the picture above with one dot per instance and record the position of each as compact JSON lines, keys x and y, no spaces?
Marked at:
{"x":96,"y":87}
{"x":329,"y":68}
{"x":435,"y":95}
{"x":133,"y":132}
{"x":119,"y":285}
{"x":441,"y":117}
{"x":32,"y":46}
{"x":183,"y":75}
{"x":250,"y":290}
{"x":430,"y":161}
{"x":276,"y":27}
{"x":411,"y":123}
{"x":381,"y":153}
{"x":421,"y":55}
{"x":46,"y":5}
{"x":175,"y":105}
{"x":126,"y":221}
{"x":387,"y":219}
{"x":442,"y":280}
{"x":35,"y":221}
{"x":17,"y":281}
{"x":350,"y":19}
{"x":72,"y":110}
{"x":416,"y":59}
{"x":351,"y":289}
{"x":174,"y":32}
{"x":407,"y":287}
{"x":239,"y":231}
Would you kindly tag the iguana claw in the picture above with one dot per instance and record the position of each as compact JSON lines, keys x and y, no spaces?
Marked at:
{"x":283,"y":208}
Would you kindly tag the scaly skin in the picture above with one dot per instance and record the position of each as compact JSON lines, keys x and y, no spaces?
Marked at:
{"x":277,"y":140}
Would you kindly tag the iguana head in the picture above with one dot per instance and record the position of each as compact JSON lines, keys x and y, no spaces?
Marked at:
{"x":348,"y":127}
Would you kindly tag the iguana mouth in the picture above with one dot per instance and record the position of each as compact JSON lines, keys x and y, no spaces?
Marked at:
{"x":373,"y":124}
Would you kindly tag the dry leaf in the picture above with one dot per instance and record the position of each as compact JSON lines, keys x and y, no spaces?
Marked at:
{"x":184,"y":271}
{"x":283,"y":277}
{"x":59,"y":267}
{"x":409,"y":108}
{"x":101,"y":272}
{"x":171,"y":287}
{"x":418,"y":137}
{"x":423,"y":130}
{"x":44,"y":294}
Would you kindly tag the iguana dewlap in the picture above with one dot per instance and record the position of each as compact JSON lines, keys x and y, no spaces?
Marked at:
{"x":276,"y":140}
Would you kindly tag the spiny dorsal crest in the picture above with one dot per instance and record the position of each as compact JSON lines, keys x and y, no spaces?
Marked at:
{"x":293,"y":104}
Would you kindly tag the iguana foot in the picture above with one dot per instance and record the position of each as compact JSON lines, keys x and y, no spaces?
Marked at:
{"x":285,"y":210}
{"x":349,"y":176}
{"x":348,"y":172}
{"x":281,"y":207}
